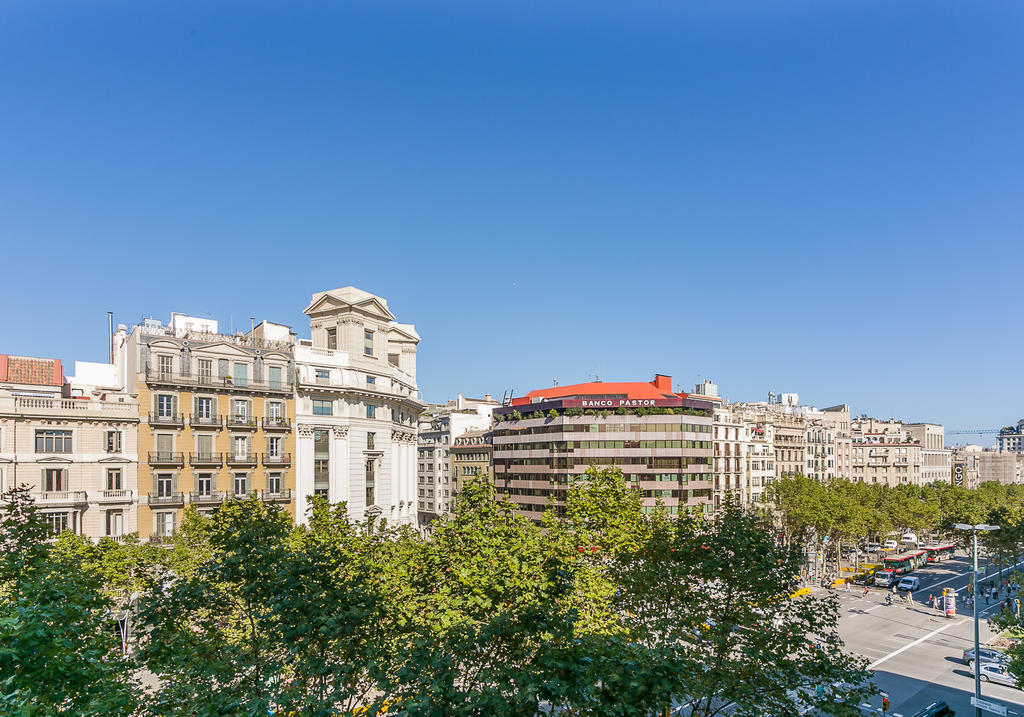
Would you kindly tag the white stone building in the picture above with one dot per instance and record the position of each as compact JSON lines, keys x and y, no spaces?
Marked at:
{"x":357,"y":406}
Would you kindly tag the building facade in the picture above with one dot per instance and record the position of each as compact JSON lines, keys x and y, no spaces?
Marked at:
{"x":662,"y":441}
{"x":936,"y":461}
{"x":1010,"y":439}
{"x":439,"y":426}
{"x":357,"y":408}
{"x":471,"y":456}
{"x":73,"y":445}
{"x":216,"y":414}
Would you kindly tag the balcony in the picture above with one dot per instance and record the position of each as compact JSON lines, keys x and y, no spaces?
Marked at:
{"x":214,"y":422}
{"x":214,"y":498}
{"x":60,"y":497}
{"x":278,"y":423}
{"x":162,"y":458}
{"x":283,"y":495}
{"x":78,"y":407}
{"x":244,"y":422}
{"x":239,"y":460}
{"x":174,"y":420}
{"x":214,"y":460}
{"x":283,"y":459}
{"x":171,"y":500}
{"x":115,"y":496}
{"x":156,"y":377}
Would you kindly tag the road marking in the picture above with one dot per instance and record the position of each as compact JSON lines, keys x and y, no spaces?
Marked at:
{"x":916,"y":642}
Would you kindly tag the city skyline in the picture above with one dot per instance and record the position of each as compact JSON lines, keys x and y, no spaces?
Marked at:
{"x":802,"y":199}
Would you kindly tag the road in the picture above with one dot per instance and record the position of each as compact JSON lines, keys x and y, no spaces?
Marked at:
{"x":915,"y":651}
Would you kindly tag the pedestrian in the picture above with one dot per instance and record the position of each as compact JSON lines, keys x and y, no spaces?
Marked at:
{"x":931,"y":600}
{"x":847,"y":586}
{"x":865,"y":590}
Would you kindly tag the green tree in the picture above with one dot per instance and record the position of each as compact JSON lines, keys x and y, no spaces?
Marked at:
{"x":60,"y":653}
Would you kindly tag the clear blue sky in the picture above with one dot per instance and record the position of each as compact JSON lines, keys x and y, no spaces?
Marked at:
{"x":819,"y":197}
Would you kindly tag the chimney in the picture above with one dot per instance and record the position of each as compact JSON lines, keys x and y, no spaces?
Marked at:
{"x":662,"y":382}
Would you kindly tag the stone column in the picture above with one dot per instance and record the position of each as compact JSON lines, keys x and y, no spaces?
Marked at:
{"x":339,"y":485}
{"x":303,"y":471}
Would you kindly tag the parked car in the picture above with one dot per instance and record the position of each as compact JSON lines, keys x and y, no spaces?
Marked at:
{"x":994,"y":672}
{"x":988,"y":654}
{"x":890,"y":545}
{"x":909,"y":583}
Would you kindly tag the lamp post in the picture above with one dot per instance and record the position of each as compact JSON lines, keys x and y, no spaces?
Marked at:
{"x":974,"y":580}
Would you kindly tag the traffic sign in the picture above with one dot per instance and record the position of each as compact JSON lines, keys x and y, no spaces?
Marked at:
{"x":992,"y":707}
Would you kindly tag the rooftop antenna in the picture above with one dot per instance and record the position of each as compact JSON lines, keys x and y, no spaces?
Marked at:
{"x":252,"y":324}
{"x":110,"y":334}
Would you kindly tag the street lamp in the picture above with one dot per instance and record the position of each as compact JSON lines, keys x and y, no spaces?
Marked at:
{"x":974,"y":580}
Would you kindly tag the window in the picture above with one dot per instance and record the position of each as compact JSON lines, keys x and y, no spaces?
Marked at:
{"x":165,"y":406}
{"x":369,"y":482}
{"x":241,"y":485}
{"x":204,"y":442}
{"x":55,"y":480}
{"x":274,"y":447}
{"x":275,"y":411}
{"x":114,"y":481}
{"x":164,"y":485}
{"x":241,"y":410}
{"x":205,"y":370}
{"x":367,"y":343}
{"x":274,"y":376}
{"x":241,"y":375}
{"x":323,"y":375}
{"x":371,"y":380}
{"x":115,"y":523}
{"x":321,"y":461}
{"x":165,"y":524}
{"x":322,"y":407}
{"x":165,"y":366}
{"x":204,"y":484}
{"x":58,"y":522}
{"x":204,"y":408}
{"x":274,"y":483}
{"x":241,"y":447}
{"x":53,"y":441}
{"x":371,"y":411}
{"x":112,"y":439}
{"x":164,"y":446}
{"x":332,"y":338}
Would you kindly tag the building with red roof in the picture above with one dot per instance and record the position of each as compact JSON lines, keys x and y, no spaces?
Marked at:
{"x":660,"y":439}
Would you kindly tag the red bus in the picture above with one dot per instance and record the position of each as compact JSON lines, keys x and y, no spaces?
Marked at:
{"x":906,"y":562}
{"x":937,"y":553}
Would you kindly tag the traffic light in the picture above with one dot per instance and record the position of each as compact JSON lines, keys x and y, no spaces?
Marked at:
{"x":885,"y":704}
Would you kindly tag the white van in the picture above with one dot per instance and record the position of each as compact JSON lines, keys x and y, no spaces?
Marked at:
{"x":909,"y":539}
{"x":909,"y":583}
{"x":890,"y":545}
{"x":884,"y":578}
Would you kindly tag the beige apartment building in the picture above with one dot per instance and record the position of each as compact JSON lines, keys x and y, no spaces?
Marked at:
{"x":472,"y":455}
{"x":216,"y":416}
{"x":790,"y":445}
{"x":73,"y":445}
{"x":935,"y":457}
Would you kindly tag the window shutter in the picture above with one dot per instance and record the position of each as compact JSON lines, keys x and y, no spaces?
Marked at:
{"x":195,"y":483}
{"x":213,"y":407}
{"x":222,"y":368}
{"x":195,"y":407}
{"x":174,"y":482}
{"x":156,"y":485}
{"x":248,"y":445}
{"x":174,"y":405}
{"x":213,"y":481}
{"x":257,"y":372}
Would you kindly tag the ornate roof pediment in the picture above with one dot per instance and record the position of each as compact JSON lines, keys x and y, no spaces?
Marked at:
{"x":53,"y":459}
{"x":115,"y":459}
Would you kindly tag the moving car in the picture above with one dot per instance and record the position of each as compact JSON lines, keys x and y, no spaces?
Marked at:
{"x":935,"y":709}
{"x":909,"y":583}
{"x":988,"y":654}
{"x":994,"y":672}
{"x":884,"y":578}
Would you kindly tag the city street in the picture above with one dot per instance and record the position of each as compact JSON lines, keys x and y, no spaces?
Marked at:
{"x":916,"y":651}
